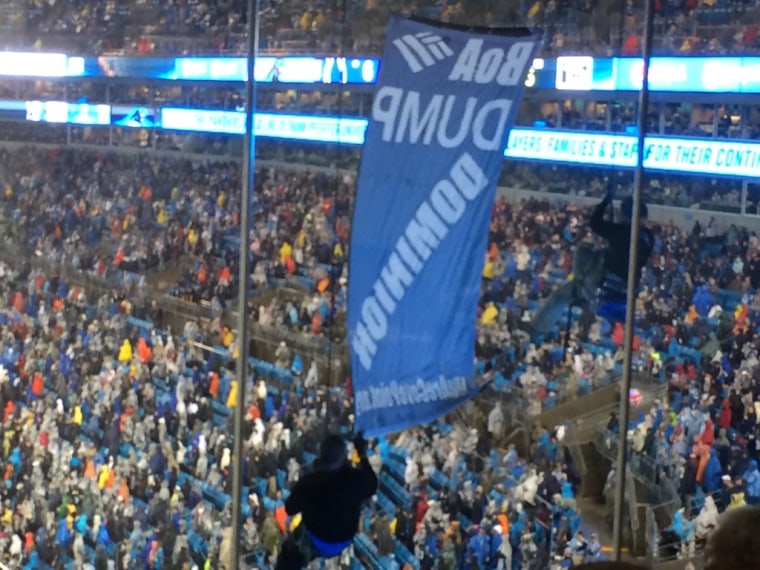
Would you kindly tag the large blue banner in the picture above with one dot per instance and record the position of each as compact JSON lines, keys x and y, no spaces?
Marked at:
{"x":445,"y":102}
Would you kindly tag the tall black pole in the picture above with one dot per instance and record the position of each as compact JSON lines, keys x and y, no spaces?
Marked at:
{"x":241,"y":373}
{"x":630,"y":310}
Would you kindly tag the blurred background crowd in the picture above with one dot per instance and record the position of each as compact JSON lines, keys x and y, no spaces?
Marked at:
{"x":321,"y":26}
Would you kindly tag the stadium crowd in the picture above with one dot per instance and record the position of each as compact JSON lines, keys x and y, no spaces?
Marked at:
{"x":116,"y":448}
{"x":113,"y":219}
{"x":685,"y":119}
{"x":529,"y":253}
{"x":103,"y":212}
{"x":573,"y":26}
{"x":670,"y":190}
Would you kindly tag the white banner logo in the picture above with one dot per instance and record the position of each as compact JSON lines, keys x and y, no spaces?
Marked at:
{"x":422,"y":50}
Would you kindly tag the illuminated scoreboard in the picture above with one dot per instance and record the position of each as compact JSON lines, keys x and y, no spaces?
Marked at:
{"x":71,"y":113}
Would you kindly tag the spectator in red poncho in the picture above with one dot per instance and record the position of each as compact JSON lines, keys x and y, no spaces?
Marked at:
{"x":144,"y":351}
{"x":724,"y":418}
{"x":316,"y":323}
{"x":422,"y":507}
{"x":19,"y":302}
{"x":708,"y":435}
{"x":281,"y":518}
{"x":213,"y":385}
{"x":38,"y":385}
{"x":702,"y":453}
{"x":618,"y":335}
{"x":10,"y":409}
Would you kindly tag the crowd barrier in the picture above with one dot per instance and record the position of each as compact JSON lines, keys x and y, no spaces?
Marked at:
{"x":644,"y":468}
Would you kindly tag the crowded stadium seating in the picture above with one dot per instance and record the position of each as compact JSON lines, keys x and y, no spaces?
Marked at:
{"x":196,"y":28}
{"x":520,"y":274}
{"x":136,"y":455}
{"x":116,"y":427}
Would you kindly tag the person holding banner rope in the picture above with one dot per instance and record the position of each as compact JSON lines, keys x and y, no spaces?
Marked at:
{"x":599,"y":276}
{"x":329,"y":501}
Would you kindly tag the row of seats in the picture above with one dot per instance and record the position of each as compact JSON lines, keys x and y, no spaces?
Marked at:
{"x":396,"y":491}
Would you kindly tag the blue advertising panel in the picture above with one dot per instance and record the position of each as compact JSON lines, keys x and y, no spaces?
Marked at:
{"x":445,"y":102}
{"x":739,"y":75}
{"x":716,"y":74}
{"x":313,"y":128}
{"x":133,"y":117}
{"x":673,"y":154}
{"x":268,"y":69}
{"x":33,"y":64}
{"x":68,"y":113}
{"x":688,"y":155}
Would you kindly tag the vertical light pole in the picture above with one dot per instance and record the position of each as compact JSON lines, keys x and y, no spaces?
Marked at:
{"x":630,"y":310}
{"x":241,"y":373}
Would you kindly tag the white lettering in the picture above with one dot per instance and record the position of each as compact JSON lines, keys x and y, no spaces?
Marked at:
{"x":385,"y":299}
{"x":373,"y":315}
{"x":502,"y":106}
{"x":364,"y":347}
{"x":387,"y":114}
{"x":396,"y":276}
{"x":423,"y":234}
{"x":410,"y":116}
{"x":507,"y":70}
{"x":425,"y":231}
{"x":467,"y":62}
{"x":489,"y":64}
{"x":406,"y":118}
{"x":447,"y":202}
{"x":409,"y":257}
{"x":392,"y":394}
{"x":469,"y":177}
{"x":514,"y":67}
{"x":464,"y":124}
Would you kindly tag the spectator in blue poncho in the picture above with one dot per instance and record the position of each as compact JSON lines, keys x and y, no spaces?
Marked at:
{"x":431,"y":545}
{"x":712,"y":480}
{"x":495,"y":546}
{"x":510,"y":459}
{"x":703,"y":300}
{"x":81,"y":524}
{"x":544,"y":444}
{"x":516,"y":529}
{"x":33,"y":562}
{"x":577,"y":547}
{"x":104,"y":539}
{"x":594,"y":549}
{"x":15,"y":459}
{"x":63,"y":536}
{"x":479,"y":547}
{"x":752,"y":483}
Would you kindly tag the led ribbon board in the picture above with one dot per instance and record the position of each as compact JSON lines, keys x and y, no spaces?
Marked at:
{"x":268,"y":69}
{"x":313,"y":128}
{"x":673,"y":154}
{"x":719,"y":157}
{"x":733,"y":74}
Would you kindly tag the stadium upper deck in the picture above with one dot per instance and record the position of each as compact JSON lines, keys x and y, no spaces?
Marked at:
{"x":353,"y":26}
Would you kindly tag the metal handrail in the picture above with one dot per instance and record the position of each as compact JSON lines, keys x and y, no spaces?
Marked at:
{"x":641,"y":466}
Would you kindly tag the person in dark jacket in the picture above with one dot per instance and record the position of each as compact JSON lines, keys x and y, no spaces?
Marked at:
{"x":329,"y":500}
{"x":599,"y":275}
{"x":617,"y":255}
